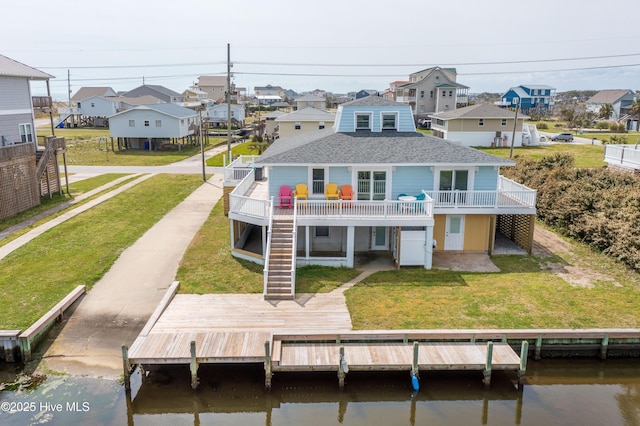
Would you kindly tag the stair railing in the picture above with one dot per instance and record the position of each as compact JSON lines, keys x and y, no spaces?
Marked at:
{"x":267,"y":253}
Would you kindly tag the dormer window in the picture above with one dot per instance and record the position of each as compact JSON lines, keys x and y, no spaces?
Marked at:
{"x":363,"y":121}
{"x":389,"y":121}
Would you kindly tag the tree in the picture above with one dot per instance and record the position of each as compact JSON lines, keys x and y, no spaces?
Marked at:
{"x":606,"y":111}
{"x":635,"y":112}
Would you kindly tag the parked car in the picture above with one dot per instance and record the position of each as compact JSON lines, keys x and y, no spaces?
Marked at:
{"x":568,"y":137}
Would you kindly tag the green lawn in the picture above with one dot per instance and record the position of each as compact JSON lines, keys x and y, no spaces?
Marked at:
{"x":584,"y":155}
{"x":237,"y":150}
{"x":85,"y":148}
{"x":208,"y":267}
{"x":79,"y":251}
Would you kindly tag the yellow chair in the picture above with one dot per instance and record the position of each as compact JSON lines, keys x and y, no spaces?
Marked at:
{"x":331,"y":191}
{"x":301,"y":192}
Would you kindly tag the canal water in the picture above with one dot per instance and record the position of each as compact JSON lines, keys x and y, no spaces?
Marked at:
{"x":556,"y":392}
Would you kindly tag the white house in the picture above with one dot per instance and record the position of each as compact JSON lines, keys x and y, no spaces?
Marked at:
{"x":16,"y":103}
{"x":148,"y":126}
{"x":218,"y":113}
{"x":620,"y":100}
{"x":312,"y":101}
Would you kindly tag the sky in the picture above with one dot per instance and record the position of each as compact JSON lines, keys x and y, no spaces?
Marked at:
{"x":334,"y":45}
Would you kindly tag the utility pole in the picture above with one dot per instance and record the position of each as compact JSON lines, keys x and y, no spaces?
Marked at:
{"x":513,"y":135}
{"x":228,"y":100}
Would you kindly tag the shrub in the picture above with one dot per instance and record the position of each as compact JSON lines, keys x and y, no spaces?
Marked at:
{"x":617,"y":139}
{"x":622,"y":128}
{"x":542,"y":125}
{"x":603,"y":125}
{"x":557,"y":125}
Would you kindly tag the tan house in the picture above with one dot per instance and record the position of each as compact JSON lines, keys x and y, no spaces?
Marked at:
{"x":312,"y":101}
{"x":215,"y":86}
{"x":270,"y":125}
{"x":432,"y":90}
{"x":478,"y":125}
{"x":304,"y":121}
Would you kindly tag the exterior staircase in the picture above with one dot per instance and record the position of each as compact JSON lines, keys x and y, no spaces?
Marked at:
{"x":279,"y":275}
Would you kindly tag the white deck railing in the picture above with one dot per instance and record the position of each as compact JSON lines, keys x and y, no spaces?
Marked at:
{"x":623,"y":155}
{"x":240,"y":204}
{"x":239,"y":168}
{"x":294,"y":247}
{"x":334,"y":209}
{"x":265,"y":275}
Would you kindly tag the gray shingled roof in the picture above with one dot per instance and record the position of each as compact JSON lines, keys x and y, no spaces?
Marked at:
{"x":371,"y":101}
{"x":89,"y":92}
{"x":607,"y":96}
{"x":308,"y":114}
{"x":12,"y":68}
{"x":478,"y":111}
{"x":329,"y":147}
{"x":172,"y":110}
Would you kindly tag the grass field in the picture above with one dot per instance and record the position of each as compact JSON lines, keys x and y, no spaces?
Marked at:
{"x":80,"y":251}
{"x":584,"y":155}
{"x":236,"y":150}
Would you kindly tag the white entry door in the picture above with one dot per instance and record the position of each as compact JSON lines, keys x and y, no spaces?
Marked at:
{"x":379,"y":238}
{"x":454,"y":233}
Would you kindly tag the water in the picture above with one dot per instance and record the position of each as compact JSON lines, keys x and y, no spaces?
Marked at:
{"x":556,"y":392}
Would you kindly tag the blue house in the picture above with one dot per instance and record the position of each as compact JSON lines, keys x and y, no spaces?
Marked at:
{"x":529,"y":97}
{"x":412,"y":194}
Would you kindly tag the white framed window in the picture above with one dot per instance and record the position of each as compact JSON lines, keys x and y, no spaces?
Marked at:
{"x":158,"y":123}
{"x":322,"y":231}
{"x":481,"y":122}
{"x":450,"y":93}
{"x":422,"y":93}
{"x":504,"y":122}
{"x":431,"y":94}
{"x":444,"y":93}
{"x":363,"y":121}
{"x":389,"y":121}
{"x":26,"y":132}
{"x":93,"y":105}
{"x":321,"y":125}
{"x":437,"y":79}
{"x":297,"y":125}
{"x":132,"y":123}
{"x":146,"y":123}
{"x":318,"y":178}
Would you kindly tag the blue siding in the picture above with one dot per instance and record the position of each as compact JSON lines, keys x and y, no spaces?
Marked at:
{"x":486,"y":179}
{"x":411,"y":180}
{"x":279,"y":176}
{"x":346,"y":115}
{"x":339,"y":175}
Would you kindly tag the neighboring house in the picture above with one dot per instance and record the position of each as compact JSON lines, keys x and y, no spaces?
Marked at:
{"x":478,"y":125}
{"x":149,"y":126}
{"x":127,"y":103}
{"x":270,"y":125}
{"x":303,"y":121}
{"x":390,"y":93}
{"x":215,"y":86}
{"x":529,"y":97}
{"x":160,"y":92}
{"x":366,"y":92}
{"x":432,"y":90}
{"x":16,"y":103}
{"x":193,"y":94}
{"x":312,"y":101}
{"x":98,"y":106}
{"x":217,"y":114}
{"x":266,"y":95}
{"x":620,"y":100}
{"x":91,"y":92}
{"x":319,"y":93}
{"x":413,"y":194}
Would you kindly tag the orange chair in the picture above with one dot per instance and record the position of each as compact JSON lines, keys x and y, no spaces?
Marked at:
{"x":285,"y":197}
{"x":331,"y":191}
{"x":346,"y":193}
{"x":301,"y":192}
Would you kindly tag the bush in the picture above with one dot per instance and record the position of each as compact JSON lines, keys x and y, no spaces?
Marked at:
{"x":622,"y":128}
{"x":557,"y":125}
{"x":603,"y":125}
{"x":542,"y":125}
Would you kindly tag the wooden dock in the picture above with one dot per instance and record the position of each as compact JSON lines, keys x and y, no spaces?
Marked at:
{"x":210,"y":329}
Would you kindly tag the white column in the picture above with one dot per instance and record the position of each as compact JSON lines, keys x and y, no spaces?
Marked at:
{"x":351,"y":232}
{"x":428,"y":247}
{"x":264,"y":240}
{"x":306,"y":242}
{"x":231,"y":233}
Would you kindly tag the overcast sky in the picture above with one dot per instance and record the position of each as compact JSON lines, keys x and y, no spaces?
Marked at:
{"x":334,"y":45}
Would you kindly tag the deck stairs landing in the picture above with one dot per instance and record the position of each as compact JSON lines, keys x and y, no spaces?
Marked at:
{"x":279,"y":278}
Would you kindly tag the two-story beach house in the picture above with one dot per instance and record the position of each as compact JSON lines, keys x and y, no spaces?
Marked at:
{"x":529,"y":97}
{"x":370,"y":184}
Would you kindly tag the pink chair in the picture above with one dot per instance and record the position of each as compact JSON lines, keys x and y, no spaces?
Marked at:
{"x":285,"y":197}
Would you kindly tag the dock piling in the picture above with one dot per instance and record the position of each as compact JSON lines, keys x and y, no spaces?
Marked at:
{"x":604,"y":346}
{"x":194,"y":367}
{"x":414,"y":366}
{"x":524,"y":354}
{"x":126,"y":366}
{"x":538,"y":347}
{"x":343,"y":368}
{"x":488,"y":364}
{"x":267,"y":365}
